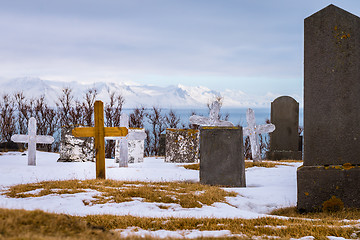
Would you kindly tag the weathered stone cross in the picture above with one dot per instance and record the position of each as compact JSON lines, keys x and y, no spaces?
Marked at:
{"x":99,"y":132}
{"x":213,"y":119}
{"x":121,"y":145}
{"x":252,"y":130}
{"x":32,"y":139}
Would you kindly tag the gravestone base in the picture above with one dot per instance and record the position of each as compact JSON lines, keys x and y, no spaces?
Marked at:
{"x":284,"y":155}
{"x":222,"y":156}
{"x":317,"y":184}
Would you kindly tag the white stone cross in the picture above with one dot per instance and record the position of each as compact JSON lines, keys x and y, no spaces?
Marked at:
{"x":213,"y":119}
{"x":32,"y":139}
{"x":252,"y":130}
{"x":121,"y":145}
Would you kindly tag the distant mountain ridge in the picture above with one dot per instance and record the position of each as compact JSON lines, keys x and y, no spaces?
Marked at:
{"x":173,"y":96}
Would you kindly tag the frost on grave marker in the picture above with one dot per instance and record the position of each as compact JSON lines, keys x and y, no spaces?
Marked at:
{"x":99,"y":132}
{"x":32,"y":139}
{"x":122,"y":143}
{"x":253,"y":130}
{"x":213,"y":119}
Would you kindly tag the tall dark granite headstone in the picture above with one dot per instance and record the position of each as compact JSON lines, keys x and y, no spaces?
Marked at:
{"x":284,"y":141}
{"x":331,"y":110}
{"x":222,"y":156}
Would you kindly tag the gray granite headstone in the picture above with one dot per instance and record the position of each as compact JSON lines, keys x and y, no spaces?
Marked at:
{"x":222,"y":159}
{"x":74,"y":149}
{"x":331,"y":110}
{"x":182,"y":145}
{"x":162,"y":144}
{"x":284,"y":141}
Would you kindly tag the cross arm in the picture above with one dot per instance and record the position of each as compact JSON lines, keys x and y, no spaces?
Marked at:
{"x":108,"y":131}
{"x":20,"y":138}
{"x":84,"y":132}
{"x":267,"y":128}
{"x":115,"y":131}
{"x":199,"y":120}
{"x":44,"y":139}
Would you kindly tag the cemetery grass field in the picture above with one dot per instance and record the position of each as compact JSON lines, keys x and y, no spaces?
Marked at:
{"x":155,"y":200}
{"x":187,"y":195}
{"x":22,"y":224}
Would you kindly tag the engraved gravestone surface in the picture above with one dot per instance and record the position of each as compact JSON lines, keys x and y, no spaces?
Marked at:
{"x":331,"y":110}
{"x":75,"y":149}
{"x":222,"y":156}
{"x":182,"y":145}
{"x":284,"y":140}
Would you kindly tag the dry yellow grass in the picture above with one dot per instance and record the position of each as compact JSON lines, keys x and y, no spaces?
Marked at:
{"x":188,"y":195}
{"x":21,"y":224}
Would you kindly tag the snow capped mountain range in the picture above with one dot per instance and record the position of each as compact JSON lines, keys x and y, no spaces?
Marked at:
{"x":174,"y":96}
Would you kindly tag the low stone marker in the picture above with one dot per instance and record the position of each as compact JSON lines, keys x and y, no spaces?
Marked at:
{"x":222,"y":156}
{"x":73,"y":149}
{"x":32,"y":139}
{"x":122,"y":151}
{"x":253,"y":130}
{"x":182,"y":145}
{"x":136,"y":146}
{"x":213,"y":119}
{"x":284,"y":141}
{"x":331,"y":170}
{"x":99,"y":132}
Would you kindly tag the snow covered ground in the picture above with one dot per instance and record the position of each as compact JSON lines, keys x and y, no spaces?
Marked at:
{"x":267,"y":188}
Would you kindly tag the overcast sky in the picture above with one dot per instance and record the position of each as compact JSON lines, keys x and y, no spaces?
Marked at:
{"x":255,"y":45}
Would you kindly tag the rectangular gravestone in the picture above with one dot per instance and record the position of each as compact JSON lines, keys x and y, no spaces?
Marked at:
{"x":284,"y":141}
{"x":136,"y":148}
{"x":182,"y":146}
{"x":162,"y":143}
{"x":331,"y":110}
{"x":75,"y":149}
{"x":222,"y":156}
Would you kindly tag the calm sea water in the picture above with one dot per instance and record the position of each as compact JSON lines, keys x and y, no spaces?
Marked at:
{"x":236,"y":115}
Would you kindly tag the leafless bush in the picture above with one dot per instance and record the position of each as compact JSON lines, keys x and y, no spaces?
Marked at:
{"x":172,"y":120}
{"x":158,"y":125}
{"x":147,"y":144}
{"x":24,"y":111}
{"x":47,"y":119}
{"x":247,"y":148}
{"x":88,"y":105}
{"x":136,"y":118}
{"x":7,"y":117}
{"x":64,"y":106}
{"x":113,"y":111}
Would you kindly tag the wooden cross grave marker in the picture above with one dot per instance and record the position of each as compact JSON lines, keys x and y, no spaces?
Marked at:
{"x":213,"y":119}
{"x":253,"y":130}
{"x":99,"y":132}
{"x":32,"y":139}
